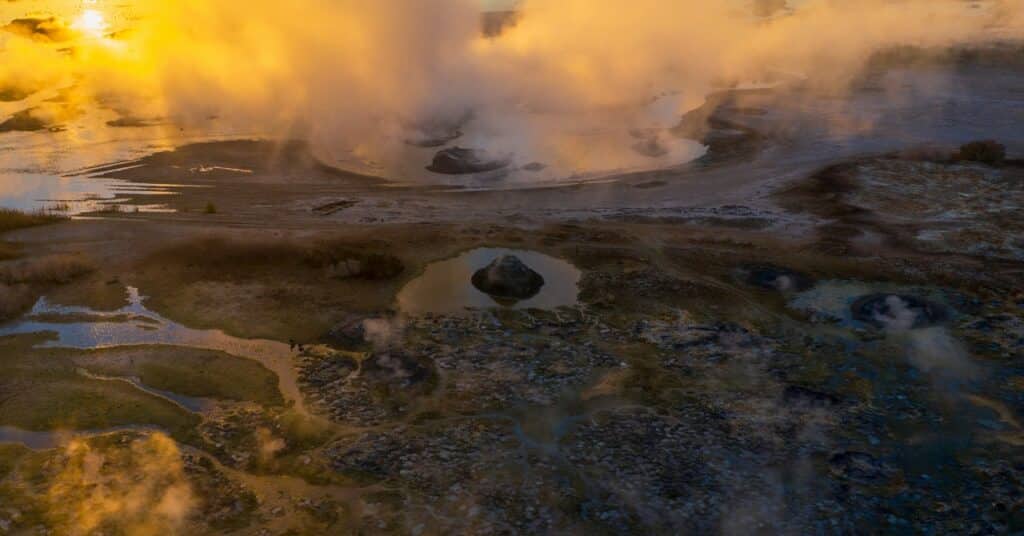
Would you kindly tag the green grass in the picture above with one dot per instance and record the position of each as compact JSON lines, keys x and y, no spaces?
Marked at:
{"x":10,"y":455}
{"x":189,"y":372}
{"x":61,"y":401}
{"x":11,"y":219}
{"x":41,"y":390}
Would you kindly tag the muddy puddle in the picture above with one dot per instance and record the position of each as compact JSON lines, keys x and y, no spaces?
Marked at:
{"x":145,"y":327}
{"x":446,"y":287}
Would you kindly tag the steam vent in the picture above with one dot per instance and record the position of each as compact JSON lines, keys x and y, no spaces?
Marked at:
{"x":898,"y":311}
{"x":507,"y":277}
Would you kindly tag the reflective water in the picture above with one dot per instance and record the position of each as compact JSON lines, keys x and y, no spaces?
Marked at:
{"x":193,"y":404}
{"x":107,"y":332}
{"x":445,"y":286}
{"x":53,"y":439}
{"x":76,"y":195}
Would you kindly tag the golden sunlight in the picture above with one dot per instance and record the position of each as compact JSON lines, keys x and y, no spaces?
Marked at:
{"x":91,"y":22}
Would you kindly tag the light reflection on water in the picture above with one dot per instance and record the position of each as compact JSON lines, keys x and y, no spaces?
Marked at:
{"x":190,"y":403}
{"x":76,"y":195}
{"x":446,"y":287}
{"x":53,"y":439}
{"x":157,"y":330}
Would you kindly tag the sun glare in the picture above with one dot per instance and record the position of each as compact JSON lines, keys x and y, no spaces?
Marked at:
{"x":91,"y":22}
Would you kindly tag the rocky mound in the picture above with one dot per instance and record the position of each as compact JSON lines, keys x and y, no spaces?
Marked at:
{"x":507,"y":277}
{"x":462,"y":161}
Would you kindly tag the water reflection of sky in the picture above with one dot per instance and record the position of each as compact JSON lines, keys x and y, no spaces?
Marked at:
{"x":73,"y":195}
{"x":149,"y":328}
{"x":445,"y":286}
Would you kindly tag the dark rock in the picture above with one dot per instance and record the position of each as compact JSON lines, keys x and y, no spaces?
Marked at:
{"x":858,"y":467}
{"x":797,"y":395}
{"x":508,"y":277}
{"x":461,"y":161}
{"x":23,"y":121}
{"x":651,"y":147}
{"x":776,"y":278}
{"x":131,"y":121}
{"x":892,"y":311}
{"x":45,"y":29}
{"x":15,"y":94}
{"x":985,"y":151}
{"x":349,"y":333}
{"x":396,"y":369}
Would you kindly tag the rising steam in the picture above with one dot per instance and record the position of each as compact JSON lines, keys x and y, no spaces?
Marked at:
{"x":357,"y":77}
{"x":138,"y":490}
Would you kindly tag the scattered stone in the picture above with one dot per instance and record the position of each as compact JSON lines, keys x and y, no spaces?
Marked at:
{"x":858,"y":467}
{"x":382,"y":386}
{"x":350,"y":333}
{"x":803,"y":396}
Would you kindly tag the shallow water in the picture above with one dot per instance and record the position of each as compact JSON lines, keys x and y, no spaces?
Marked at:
{"x":574,"y":147}
{"x":445,"y":286}
{"x":55,"y":438}
{"x":76,"y":195}
{"x":193,"y":404}
{"x":274,"y":355}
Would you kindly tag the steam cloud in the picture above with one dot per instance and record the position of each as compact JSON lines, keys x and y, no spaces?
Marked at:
{"x":137,"y":490}
{"x":352,"y":74}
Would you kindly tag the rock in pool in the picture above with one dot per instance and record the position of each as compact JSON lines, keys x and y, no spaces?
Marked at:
{"x":507,"y":277}
{"x":462,"y":161}
{"x":651,"y":147}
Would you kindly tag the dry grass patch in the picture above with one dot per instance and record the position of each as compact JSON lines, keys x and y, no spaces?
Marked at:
{"x":15,"y":300}
{"x":11,"y":219}
{"x":51,"y":269}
